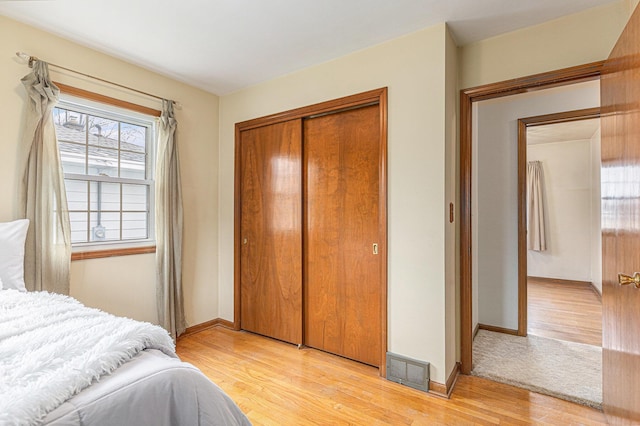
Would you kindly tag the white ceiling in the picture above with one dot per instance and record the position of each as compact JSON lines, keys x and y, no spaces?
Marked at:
{"x":224,"y":45}
{"x":562,"y":132}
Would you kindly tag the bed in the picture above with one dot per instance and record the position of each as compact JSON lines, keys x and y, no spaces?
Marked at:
{"x":62,"y":363}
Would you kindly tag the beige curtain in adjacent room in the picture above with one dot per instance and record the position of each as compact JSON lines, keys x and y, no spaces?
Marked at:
{"x":169,"y":227}
{"x":535,"y":208}
{"x":43,"y":196}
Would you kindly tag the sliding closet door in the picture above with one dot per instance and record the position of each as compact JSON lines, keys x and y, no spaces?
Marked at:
{"x":271,"y":231}
{"x":342,"y":222}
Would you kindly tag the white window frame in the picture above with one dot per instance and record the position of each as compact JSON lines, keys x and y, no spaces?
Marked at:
{"x":90,"y":107}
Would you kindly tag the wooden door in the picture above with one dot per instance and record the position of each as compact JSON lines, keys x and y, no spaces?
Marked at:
{"x":271,"y":231}
{"x":342,"y":224}
{"x":620,"y":176}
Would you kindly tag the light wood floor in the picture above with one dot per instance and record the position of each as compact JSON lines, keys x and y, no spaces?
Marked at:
{"x":564,"y":311}
{"x":275,"y":383}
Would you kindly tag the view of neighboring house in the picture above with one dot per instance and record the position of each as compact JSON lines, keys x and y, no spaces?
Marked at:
{"x":105,"y":209}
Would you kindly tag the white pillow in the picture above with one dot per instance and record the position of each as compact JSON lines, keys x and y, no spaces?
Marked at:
{"x":12,"y":237}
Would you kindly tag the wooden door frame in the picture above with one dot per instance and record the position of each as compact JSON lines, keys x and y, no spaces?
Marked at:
{"x":523,"y":125}
{"x":530,"y":83}
{"x":376,"y":96}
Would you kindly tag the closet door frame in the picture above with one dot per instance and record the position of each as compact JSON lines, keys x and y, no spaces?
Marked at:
{"x":372,"y":97}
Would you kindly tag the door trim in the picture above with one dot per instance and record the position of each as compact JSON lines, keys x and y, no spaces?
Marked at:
{"x":377,"y":96}
{"x":534,"y":82}
{"x":523,"y":125}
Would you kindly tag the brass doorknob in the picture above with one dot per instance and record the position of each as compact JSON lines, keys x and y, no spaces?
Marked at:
{"x":626,"y":279}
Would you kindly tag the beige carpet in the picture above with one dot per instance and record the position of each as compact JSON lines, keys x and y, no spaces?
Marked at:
{"x":566,"y":370}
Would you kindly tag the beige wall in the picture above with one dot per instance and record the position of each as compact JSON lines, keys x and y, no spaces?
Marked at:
{"x":568,"y":41}
{"x":568,"y":196}
{"x":124,"y":285}
{"x":413,"y":68}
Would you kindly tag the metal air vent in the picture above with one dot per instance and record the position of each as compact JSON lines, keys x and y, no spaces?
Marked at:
{"x":408,"y":372}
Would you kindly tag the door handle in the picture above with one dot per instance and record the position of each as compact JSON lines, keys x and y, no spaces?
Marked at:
{"x":627,"y":279}
{"x":375,"y":248}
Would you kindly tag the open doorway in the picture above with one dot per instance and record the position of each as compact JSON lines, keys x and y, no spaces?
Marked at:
{"x":499,"y":249}
{"x":468,"y":101}
{"x":562,"y":226}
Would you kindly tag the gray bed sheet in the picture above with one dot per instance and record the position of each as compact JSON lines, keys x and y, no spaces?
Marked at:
{"x":152,"y":389}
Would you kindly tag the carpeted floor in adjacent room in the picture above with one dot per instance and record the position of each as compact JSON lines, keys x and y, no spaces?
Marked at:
{"x":566,"y":370}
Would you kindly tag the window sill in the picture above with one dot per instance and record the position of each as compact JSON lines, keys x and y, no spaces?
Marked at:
{"x":98,"y":254}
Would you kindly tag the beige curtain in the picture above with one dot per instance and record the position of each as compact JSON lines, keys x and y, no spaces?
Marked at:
{"x":535,"y":208}
{"x":169,"y":227}
{"x":43,"y":196}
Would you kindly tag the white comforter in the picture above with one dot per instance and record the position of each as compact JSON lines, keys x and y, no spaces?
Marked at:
{"x":43,"y":362}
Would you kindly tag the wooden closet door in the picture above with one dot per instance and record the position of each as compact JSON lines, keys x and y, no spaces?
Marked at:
{"x":271,"y":231}
{"x":342,"y":222}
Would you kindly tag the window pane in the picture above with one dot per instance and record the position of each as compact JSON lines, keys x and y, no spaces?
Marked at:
{"x":72,"y":139}
{"x":105,"y":196}
{"x":105,"y":226}
{"x":77,"y":194}
{"x":78,"y":227}
{"x":103,"y":132}
{"x":134,"y":197}
{"x":73,"y":157}
{"x":132,"y":137}
{"x":70,"y":125}
{"x":132,"y":165}
{"x":103,"y":161}
{"x":134,"y":226}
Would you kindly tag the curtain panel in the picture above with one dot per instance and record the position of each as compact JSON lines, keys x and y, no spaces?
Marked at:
{"x":536,"y":239}
{"x":43,"y":196}
{"x":169,"y":227}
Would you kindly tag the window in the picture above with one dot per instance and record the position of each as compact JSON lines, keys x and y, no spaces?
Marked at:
{"x":107,"y":159}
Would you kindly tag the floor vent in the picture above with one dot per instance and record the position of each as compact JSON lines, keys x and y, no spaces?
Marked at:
{"x":408,"y":372}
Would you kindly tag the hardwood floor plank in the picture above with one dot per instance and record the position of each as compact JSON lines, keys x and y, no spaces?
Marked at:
{"x":276,"y":383}
{"x":564,"y":311}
